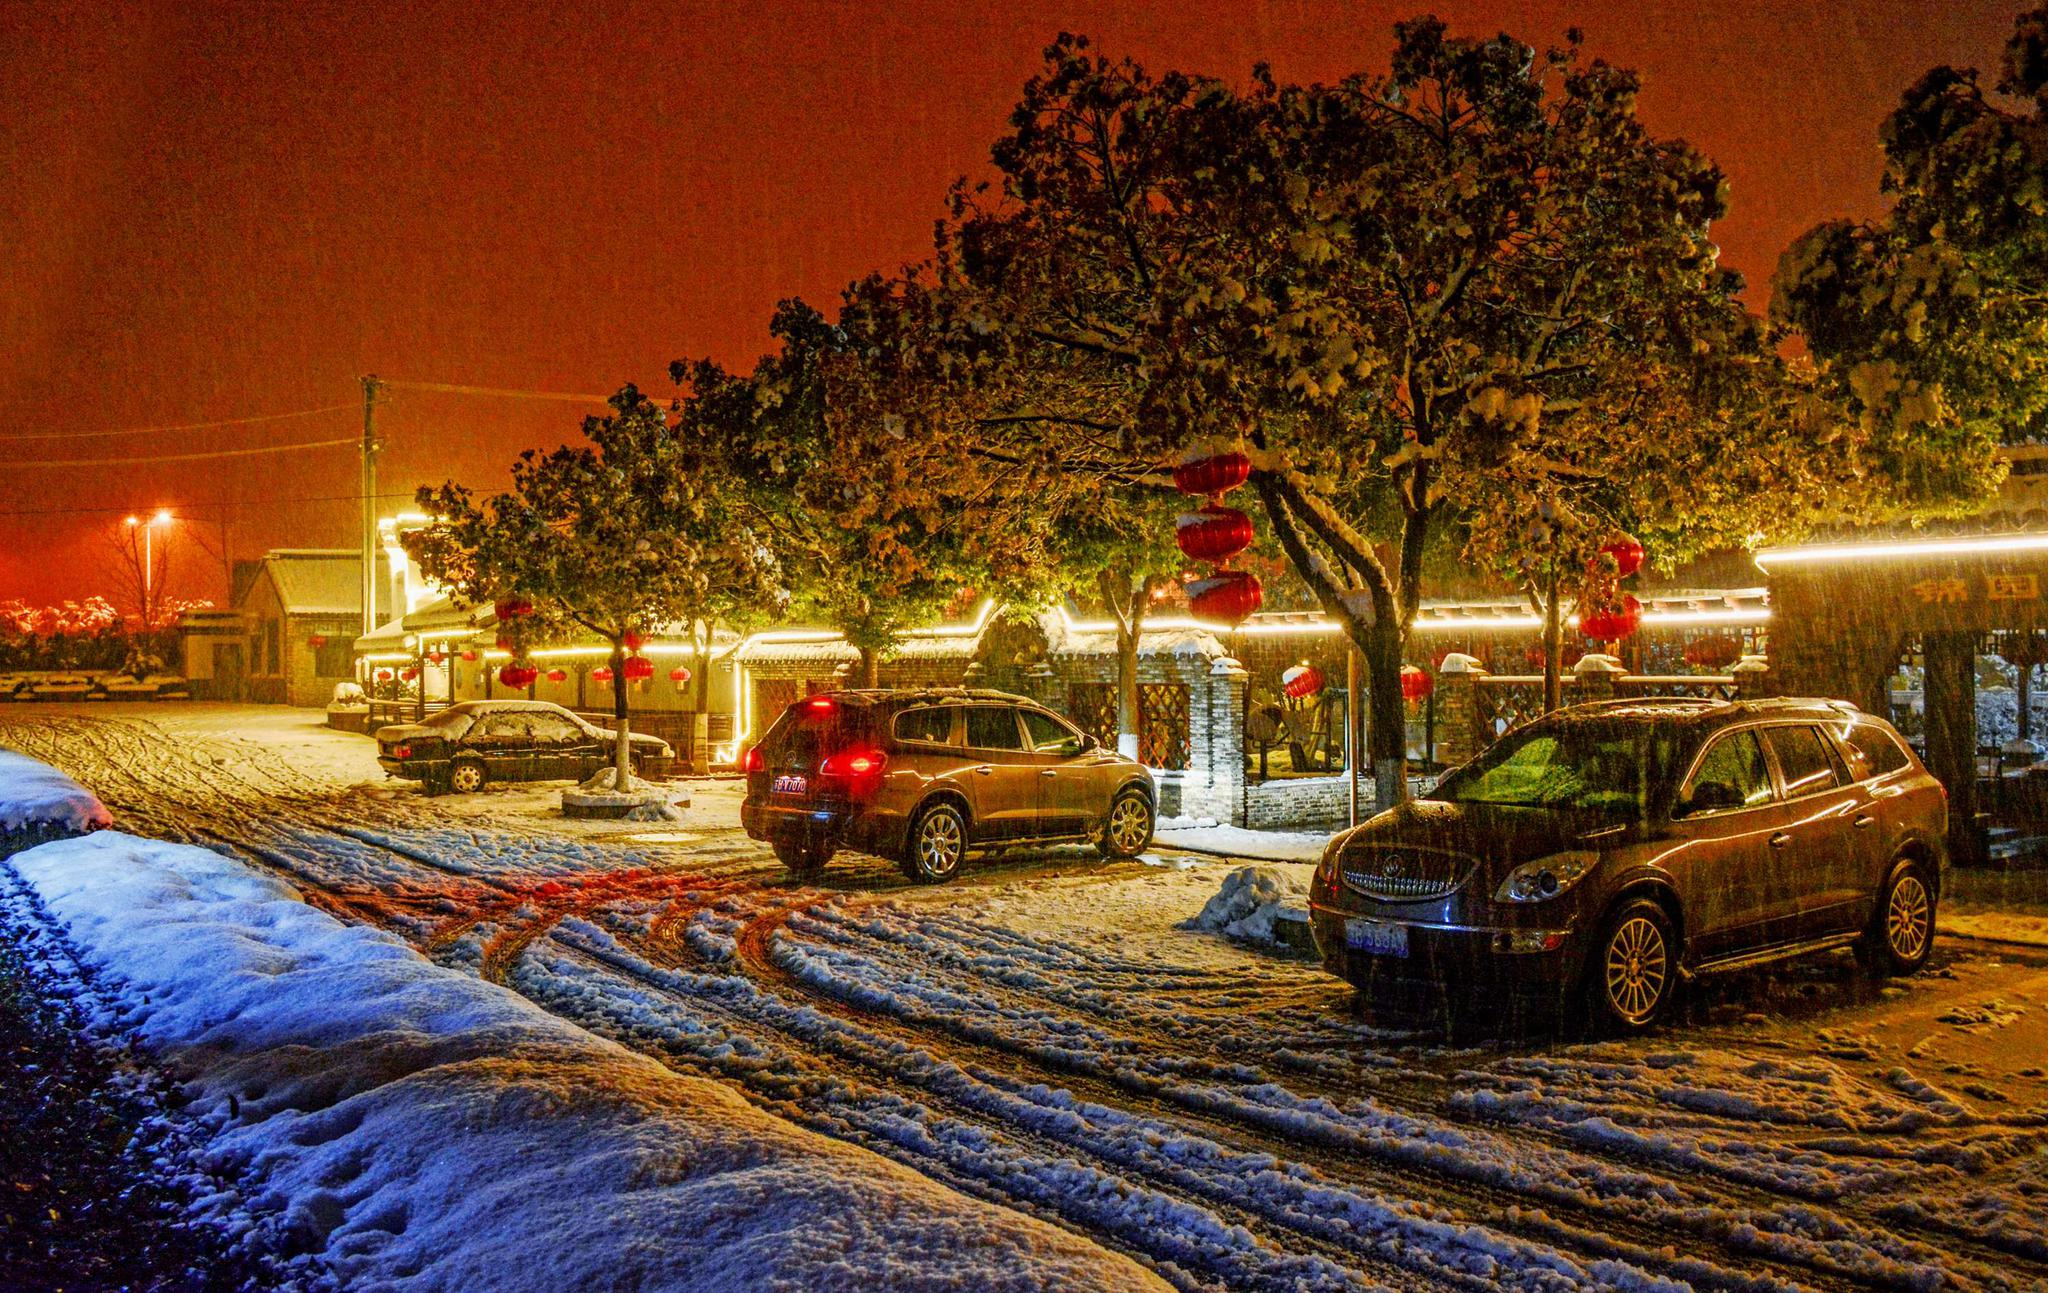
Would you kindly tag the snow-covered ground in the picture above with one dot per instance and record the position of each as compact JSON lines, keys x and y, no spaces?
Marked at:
{"x":1042,"y":1035}
{"x":413,"y":1123}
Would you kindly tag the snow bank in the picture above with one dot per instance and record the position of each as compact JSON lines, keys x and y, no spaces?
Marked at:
{"x":1253,"y":902}
{"x":412,"y":1123}
{"x":1202,"y":835}
{"x":36,"y":796}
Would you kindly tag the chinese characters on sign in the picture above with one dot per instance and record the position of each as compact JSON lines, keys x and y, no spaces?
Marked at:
{"x":1997,"y":588}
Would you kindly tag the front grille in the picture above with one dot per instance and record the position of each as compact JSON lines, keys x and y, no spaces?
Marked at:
{"x":1401,"y":873}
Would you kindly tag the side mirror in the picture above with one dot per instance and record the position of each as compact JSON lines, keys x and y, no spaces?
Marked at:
{"x":1089,"y":744}
{"x":1711,"y":797}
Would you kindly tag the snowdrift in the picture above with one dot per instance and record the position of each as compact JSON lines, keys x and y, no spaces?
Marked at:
{"x":1258,"y":904}
{"x":36,"y":799}
{"x":413,"y":1123}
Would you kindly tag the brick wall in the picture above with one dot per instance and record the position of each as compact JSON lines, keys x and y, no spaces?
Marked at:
{"x":1304,"y":803}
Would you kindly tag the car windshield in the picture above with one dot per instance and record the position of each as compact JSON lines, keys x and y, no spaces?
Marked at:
{"x":814,"y":728}
{"x":1615,"y":767}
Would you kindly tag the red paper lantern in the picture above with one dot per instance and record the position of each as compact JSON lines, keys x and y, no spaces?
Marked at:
{"x":639,"y":668}
{"x":511,"y":608}
{"x":1627,"y":554}
{"x":469,"y":654}
{"x":1216,"y":474}
{"x":408,"y":674}
{"x":558,"y":675}
{"x":1228,"y":595}
{"x":679,"y":675}
{"x":504,"y":642}
{"x":317,"y":641}
{"x":518,"y":676}
{"x":1415,"y":682}
{"x":1611,"y":624}
{"x":1302,"y":681}
{"x":634,"y":641}
{"x":603,"y":673}
{"x":383,"y":675}
{"x":1215,"y":533}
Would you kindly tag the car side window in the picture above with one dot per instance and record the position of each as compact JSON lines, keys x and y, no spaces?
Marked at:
{"x":1732,"y":774}
{"x":498,"y":730}
{"x":1877,"y":750}
{"x":993,"y":727}
{"x":1804,"y":759}
{"x":1050,"y":736}
{"x":932,"y":724}
{"x":553,"y":729}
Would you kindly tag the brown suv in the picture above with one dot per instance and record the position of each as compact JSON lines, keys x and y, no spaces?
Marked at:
{"x":924,"y":776}
{"x":1611,"y":849}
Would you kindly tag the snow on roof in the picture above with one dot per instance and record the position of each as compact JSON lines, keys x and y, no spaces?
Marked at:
{"x":478,"y":1132}
{"x":316,"y":581}
{"x":390,"y":635}
{"x":1179,"y":641}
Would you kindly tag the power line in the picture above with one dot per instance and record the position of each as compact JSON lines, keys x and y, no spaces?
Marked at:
{"x":177,"y":508}
{"x":181,"y":457}
{"x":183,"y":426}
{"x":448,"y":389}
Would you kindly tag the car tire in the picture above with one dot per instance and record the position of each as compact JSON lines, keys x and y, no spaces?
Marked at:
{"x":937,"y":844}
{"x":804,"y":859}
{"x":1127,"y":830}
{"x":466,"y":776}
{"x":1632,"y":972}
{"x":1901,"y":933}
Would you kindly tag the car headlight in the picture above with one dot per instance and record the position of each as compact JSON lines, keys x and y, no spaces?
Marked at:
{"x":1546,"y":878}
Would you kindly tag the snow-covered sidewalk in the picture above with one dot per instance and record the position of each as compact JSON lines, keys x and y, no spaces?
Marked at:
{"x":413,"y":1123}
{"x":1199,"y":835}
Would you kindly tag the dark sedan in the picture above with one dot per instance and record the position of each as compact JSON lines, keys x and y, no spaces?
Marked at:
{"x":467,"y":746}
{"x":1607,"y":851}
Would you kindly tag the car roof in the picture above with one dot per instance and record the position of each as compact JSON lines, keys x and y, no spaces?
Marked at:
{"x":506,"y":706}
{"x":904,"y":695}
{"x":1711,"y":715}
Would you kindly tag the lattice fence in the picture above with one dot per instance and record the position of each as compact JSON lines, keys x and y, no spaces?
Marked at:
{"x":1165,"y":735}
{"x":1092,"y":706}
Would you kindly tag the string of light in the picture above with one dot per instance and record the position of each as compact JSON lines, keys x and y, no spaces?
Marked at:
{"x":181,"y":426}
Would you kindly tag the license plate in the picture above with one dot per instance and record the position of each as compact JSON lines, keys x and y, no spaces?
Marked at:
{"x":1376,"y":937}
{"x":788,"y":784}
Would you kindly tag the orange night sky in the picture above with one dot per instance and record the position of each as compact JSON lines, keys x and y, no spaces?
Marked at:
{"x":214,"y":211}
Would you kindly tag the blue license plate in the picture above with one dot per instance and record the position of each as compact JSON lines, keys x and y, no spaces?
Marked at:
{"x":790,"y":785}
{"x":1376,"y":937}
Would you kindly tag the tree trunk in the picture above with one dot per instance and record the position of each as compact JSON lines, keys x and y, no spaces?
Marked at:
{"x":870,"y":667}
{"x":700,"y":725}
{"x":1386,"y":733}
{"x":1553,"y":642}
{"x":622,"y":751}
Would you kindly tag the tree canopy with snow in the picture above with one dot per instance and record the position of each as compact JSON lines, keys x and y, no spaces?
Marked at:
{"x":1419,"y":299}
{"x":1930,"y":324}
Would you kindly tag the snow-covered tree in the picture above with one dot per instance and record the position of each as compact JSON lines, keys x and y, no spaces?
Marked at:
{"x":1411,"y":298}
{"x":1930,"y":324}
{"x":635,"y":532}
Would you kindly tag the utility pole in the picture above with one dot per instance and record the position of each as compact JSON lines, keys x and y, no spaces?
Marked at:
{"x":370,"y":388}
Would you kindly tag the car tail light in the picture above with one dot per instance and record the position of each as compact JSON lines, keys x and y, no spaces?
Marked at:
{"x":753,"y":760}
{"x":821,"y":704}
{"x":854,"y":763}
{"x":401,"y":751}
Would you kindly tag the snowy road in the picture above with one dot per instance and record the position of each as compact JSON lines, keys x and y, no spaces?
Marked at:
{"x":1041,"y":1036}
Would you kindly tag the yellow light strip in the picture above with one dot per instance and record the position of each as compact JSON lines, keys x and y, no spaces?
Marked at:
{"x":1987,"y":544}
{"x":1423,"y":623}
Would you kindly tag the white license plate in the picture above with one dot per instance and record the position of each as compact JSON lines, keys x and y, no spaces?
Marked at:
{"x":790,"y":785}
{"x":1376,"y":936}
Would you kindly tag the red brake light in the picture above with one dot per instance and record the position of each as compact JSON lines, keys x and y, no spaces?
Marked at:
{"x":401,"y":751}
{"x":822,"y":703}
{"x":855,"y":763}
{"x":752,"y":760}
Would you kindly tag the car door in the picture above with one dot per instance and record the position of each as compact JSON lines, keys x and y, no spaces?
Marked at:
{"x":1818,"y":849}
{"x":562,"y":750}
{"x":1003,"y":774}
{"x":500,"y":740}
{"x":1070,"y":798}
{"x":1725,"y":817}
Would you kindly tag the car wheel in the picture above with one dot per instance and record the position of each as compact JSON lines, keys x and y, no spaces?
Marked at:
{"x":938,"y":844}
{"x":1901,"y":933}
{"x":1128,"y":829}
{"x":1634,"y":967}
{"x":466,"y":777}
{"x":805,"y":859}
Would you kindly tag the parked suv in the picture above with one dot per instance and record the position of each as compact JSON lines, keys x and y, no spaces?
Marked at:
{"x":1607,"y":851}
{"x":926,"y":776}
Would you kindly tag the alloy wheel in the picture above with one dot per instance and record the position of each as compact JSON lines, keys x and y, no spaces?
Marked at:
{"x":1906,"y":918}
{"x":940,"y":843}
{"x":466,"y":779}
{"x":1129,"y":824}
{"x":1637,"y":965}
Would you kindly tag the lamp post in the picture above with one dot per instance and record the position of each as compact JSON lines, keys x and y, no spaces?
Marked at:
{"x":162,"y":517}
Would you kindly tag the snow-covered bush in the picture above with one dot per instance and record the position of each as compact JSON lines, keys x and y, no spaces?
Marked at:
{"x":1251,"y":902}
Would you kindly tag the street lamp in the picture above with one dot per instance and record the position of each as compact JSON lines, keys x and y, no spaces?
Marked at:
{"x":163,"y":517}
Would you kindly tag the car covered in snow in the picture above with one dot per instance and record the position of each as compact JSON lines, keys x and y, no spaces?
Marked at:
{"x":1608,"y":851}
{"x":467,"y":746}
{"x":925,"y":776}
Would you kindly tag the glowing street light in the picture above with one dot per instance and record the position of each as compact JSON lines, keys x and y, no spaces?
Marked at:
{"x":163,"y":517}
